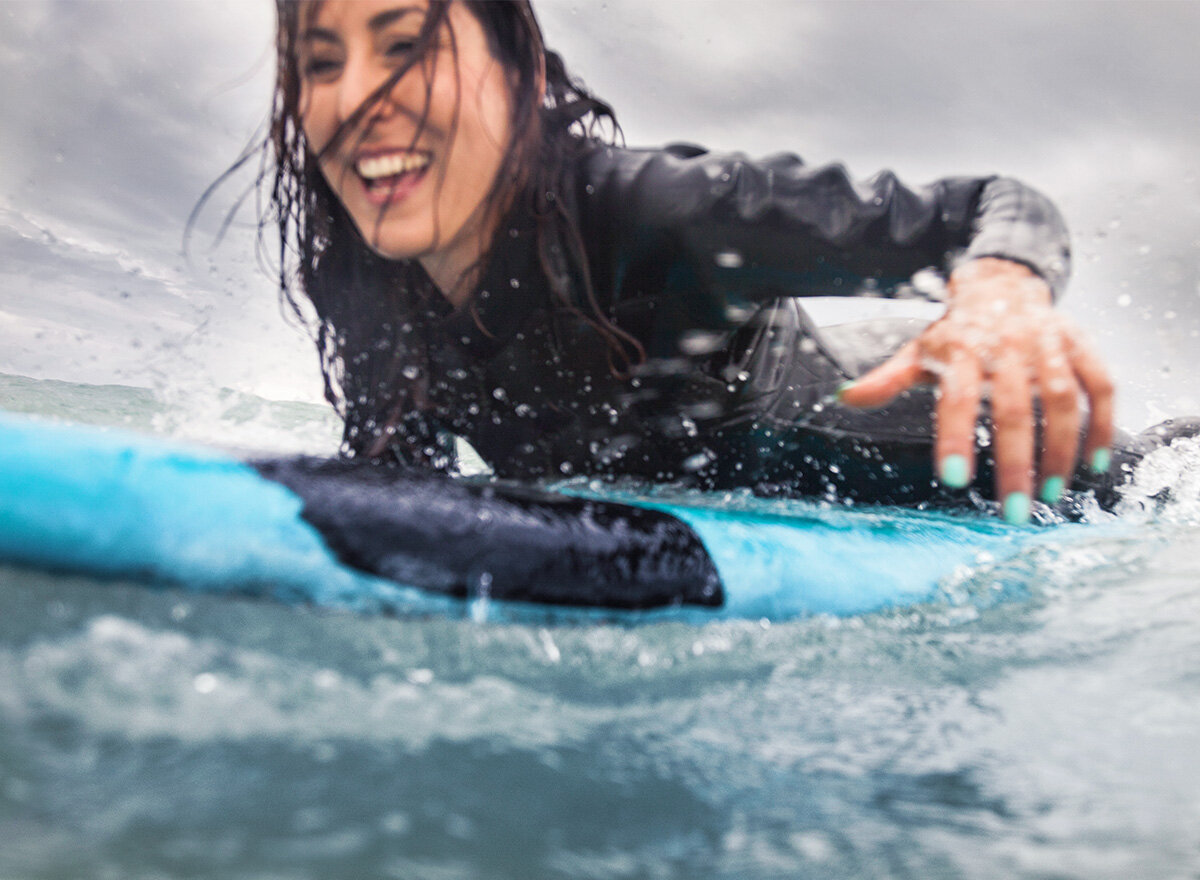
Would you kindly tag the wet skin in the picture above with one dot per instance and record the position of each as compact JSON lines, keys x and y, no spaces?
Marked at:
{"x":1001,"y":332}
{"x":441,"y":130}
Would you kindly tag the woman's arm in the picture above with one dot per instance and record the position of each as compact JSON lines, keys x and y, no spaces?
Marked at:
{"x":759,"y":230}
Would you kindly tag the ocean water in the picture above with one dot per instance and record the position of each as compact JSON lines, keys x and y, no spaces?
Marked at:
{"x":165,"y":734}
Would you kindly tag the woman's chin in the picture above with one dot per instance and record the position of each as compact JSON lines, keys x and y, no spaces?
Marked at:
{"x":394,"y":246}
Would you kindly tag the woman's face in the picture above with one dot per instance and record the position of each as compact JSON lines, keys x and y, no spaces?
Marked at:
{"x":416,"y":170}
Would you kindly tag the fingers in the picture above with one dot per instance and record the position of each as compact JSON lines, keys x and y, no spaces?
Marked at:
{"x":1092,"y":375}
{"x":1012,"y":433}
{"x":1012,"y":349}
{"x":957,"y":410}
{"x":1060,"y":415}
{"x":899,"y":372}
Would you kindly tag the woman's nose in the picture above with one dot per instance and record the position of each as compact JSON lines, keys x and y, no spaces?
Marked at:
{"x":359,"y":82}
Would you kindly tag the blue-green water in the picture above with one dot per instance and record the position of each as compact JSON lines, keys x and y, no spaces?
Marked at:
{"x":149,"y":734}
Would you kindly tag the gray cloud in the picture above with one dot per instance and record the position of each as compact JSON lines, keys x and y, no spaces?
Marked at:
{"x":111,"y":112}
{"x":919,"y":79}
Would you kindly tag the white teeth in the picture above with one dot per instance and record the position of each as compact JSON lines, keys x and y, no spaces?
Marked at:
{"x":374,"y":167}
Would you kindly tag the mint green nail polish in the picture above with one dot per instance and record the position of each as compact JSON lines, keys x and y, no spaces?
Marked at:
{"x":843,"y":388}
{"x":1101,"y":459}
{"x":1052,"y":490}
{"x":1016,"y":508}
{"x":954,"y":471}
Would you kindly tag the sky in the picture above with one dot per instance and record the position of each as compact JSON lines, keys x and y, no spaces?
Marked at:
{"x":115,"y":117}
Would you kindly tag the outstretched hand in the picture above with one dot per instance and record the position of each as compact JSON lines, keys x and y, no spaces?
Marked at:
{"x":1002,"y":338}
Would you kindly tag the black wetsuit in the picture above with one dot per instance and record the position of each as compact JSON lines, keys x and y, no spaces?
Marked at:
{"x":701,"y":258}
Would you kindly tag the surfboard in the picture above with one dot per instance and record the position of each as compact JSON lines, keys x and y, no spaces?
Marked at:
{"x":378,"y":539}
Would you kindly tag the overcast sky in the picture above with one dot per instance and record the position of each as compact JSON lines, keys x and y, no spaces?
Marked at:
{"x":114,"y":117}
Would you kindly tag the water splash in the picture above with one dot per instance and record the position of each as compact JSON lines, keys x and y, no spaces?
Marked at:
{"x":1165,"y":486}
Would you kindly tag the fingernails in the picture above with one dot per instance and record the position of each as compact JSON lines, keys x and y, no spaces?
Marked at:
{"x":843,"y":388}
{"x":954,"y":471}
{"x":1052,"y":489}
{"x":1016,"y":508}
{"x":1101,"y":459}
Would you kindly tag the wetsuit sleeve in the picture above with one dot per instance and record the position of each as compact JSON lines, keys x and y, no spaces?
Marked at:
{"x":757,"y":230}
{"x":1020,"y":224}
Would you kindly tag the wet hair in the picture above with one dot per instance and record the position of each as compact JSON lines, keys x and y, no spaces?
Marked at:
{"x":370,"y":315}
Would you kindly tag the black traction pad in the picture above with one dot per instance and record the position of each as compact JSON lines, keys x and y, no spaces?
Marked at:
{"x":499,"y":540}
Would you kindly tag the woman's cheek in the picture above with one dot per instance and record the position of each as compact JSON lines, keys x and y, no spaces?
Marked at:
{"x":318,"y":131}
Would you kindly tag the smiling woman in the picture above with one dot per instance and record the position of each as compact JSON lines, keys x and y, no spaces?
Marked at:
{"x":413,"y":151}
{"x":484,"y":264}
{"x":1039,"y":719}
{"x":402,"y":135}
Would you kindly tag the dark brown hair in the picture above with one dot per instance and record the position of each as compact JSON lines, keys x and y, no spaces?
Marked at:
{"x":371,"y":313}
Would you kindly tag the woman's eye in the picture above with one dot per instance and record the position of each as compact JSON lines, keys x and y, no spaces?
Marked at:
{"x":400,"y":48}
{"x":316,"y":67}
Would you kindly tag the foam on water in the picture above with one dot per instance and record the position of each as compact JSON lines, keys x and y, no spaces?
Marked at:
{"x":164,"y":734}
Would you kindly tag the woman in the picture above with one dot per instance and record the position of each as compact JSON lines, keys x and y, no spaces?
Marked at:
{"x":482,"y":263}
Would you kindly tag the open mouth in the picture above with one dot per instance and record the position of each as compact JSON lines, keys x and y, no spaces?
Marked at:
{"x":391,"y":176}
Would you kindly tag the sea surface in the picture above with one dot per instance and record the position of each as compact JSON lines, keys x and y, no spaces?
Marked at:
{"x":1051,"y":733}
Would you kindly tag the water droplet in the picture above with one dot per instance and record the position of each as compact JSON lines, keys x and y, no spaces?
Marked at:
{"x":325,"y":752}
{"x":325,"y":679}
{"x":395,"y":823}
{"x":1124,"y":300}
{"x":551,"y":649}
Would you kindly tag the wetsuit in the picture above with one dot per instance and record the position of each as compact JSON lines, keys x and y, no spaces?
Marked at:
{"x":702,"y":259}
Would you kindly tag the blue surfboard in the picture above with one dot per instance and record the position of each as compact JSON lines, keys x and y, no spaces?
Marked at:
{"x":116,"y":504}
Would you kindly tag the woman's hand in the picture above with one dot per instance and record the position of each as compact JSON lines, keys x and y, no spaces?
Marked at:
{"x":1001,"y":337}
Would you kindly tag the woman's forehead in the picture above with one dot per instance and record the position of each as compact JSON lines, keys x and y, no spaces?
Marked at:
{"x":370,"y":14}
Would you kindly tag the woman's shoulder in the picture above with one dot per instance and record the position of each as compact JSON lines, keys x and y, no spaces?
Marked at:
{"x":671,"y":184}
{"x":598,"y":158}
